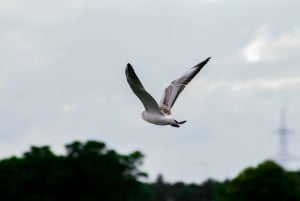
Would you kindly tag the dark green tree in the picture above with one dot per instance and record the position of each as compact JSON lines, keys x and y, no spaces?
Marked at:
{"x":88,"y":172}
{"x":161,"y":189}
{"x":179,"y":191}
{"x":268,"y":181}
{"x":194,"y":192}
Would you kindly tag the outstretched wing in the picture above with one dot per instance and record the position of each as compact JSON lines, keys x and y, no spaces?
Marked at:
{"x":135,"y":84}
{"x":172,"y":92}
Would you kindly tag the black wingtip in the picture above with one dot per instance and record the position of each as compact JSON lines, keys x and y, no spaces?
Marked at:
{"x":206,"y":60}
{"x":128,"y":68}
{"x":202,"y":63}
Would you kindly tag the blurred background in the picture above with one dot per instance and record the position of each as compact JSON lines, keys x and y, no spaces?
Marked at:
{"x":62,"y":79}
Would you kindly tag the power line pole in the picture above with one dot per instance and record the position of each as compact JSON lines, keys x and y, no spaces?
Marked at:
{"x":283,"y":131}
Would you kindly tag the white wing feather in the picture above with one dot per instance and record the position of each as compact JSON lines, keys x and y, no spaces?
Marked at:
{"x":172,"y":92}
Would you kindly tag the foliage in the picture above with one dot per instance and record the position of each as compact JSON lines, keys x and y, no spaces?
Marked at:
{"x":267,"y":181}
{"x":179,"y":191}
{"x":89,"y":171}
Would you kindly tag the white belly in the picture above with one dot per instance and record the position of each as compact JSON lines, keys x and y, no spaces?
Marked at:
{"x":157,"y":119}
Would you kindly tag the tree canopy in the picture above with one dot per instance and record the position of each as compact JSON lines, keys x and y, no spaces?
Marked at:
{"x":89,"y":171}
{"x":268,"y":181}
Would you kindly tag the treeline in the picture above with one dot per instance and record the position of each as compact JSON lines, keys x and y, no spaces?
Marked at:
{"x":91,"y":172}
{"x":266,"y":182}
{"x":179,"y":191}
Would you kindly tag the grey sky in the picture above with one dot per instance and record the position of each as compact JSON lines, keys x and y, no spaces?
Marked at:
{"x":62,"y":79}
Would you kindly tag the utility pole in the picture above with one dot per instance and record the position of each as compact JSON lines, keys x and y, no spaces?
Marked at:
{"x":283,"y":131}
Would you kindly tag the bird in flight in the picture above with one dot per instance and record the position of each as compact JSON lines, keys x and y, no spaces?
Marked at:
{"x":159,"y":113}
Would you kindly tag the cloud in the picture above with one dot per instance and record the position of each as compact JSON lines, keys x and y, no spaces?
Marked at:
{"x":270,"y":84}
{"x":265,"y":47}
{"x":21,"y":53}
{"x":274,"y":84}
{"x":208,"y":1}
{"x":67,"y":108}
{"x":12,"y":8}
{"x":15,"y":41}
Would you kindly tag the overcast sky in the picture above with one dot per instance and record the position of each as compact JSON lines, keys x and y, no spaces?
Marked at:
{"x":62,"y":79}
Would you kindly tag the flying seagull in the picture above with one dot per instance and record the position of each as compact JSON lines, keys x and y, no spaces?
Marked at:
{"x":158,"y":113}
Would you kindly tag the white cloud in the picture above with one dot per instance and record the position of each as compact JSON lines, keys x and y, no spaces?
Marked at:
{"x":21,"y":52}
{"x":267,"y":84}
{"x":12,"y":8}
{"x":230,"y":97}
{"x":69,"y":108}
{"x":214,"y":1}
{"x":15,"y":40}
{"x":265,"y":47}
{"x":270,"y":84}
